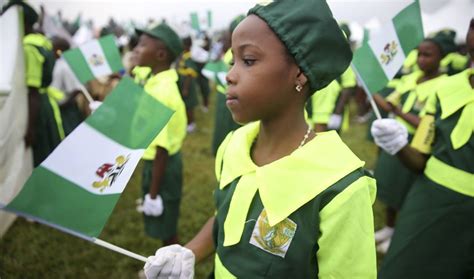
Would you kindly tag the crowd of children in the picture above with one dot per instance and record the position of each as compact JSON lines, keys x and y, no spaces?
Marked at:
{"x":292,"y":200}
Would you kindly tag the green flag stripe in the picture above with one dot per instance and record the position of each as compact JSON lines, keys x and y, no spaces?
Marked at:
{"x":111,"y":53}
{"x":130,"y":116}
{"x":369,"y":69}
{"x":54,"y":199}
{"x":79,"y":65}
{"x":409,"y":27}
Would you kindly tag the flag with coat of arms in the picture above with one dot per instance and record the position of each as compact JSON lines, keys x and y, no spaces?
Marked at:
{"x":94,"y":59}
{"x":382,"y":55}
{"x":76,"y":188}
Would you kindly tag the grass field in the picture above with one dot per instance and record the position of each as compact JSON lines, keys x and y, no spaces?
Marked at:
{"x":31,"y":250}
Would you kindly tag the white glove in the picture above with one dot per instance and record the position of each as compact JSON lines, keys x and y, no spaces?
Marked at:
{"x":389,"y":134}
{"x":335,"y":121}
{"x":172,"y":261}
{"x":152,"y":207}
{"x":94,"y":105}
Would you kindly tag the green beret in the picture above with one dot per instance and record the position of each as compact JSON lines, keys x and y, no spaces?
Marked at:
{"x":345,"y":28}
{"x":165,"y":34}
{"x":30,"y":15}
{"x":235,"y":22}
{"x":311,"y":35}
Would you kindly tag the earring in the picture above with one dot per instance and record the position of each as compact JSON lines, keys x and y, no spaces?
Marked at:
{"x":299,"y":87}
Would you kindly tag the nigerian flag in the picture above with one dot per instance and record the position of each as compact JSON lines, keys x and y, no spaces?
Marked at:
{"x":94,"y":59}
{"x":379,"y":59}
{"x":76,"y":188}
{"x":195,"y":21}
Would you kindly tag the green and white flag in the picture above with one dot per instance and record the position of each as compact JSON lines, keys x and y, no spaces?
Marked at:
{"x":195,"y":21}
{"x":379,"y":59}
{"x":76,"y":188}
{"x":94,"y":59}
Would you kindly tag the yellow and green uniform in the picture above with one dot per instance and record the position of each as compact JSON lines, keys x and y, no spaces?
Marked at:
{"x":188,"y":68}
{"x":324,"y":102}
{"x":434,"y":235}
{"x":223,"y":122}
{"x":306,"y":215}
{"x":39,"y":64}
{"x":163,"y":86}
{"x":393,"y":178}
{"x":141,"y":74}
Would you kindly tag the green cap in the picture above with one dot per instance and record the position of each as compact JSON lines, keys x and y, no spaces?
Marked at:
{"x":30,"y":15}
{"x":345,"y":28}
{"x":235,"y":22}
{"x":164,"y":33}
{"x":312,"y":36}
{"x":445,"y":40}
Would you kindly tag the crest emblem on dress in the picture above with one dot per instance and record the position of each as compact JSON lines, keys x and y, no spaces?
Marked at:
{"x":96,"y":60}
{"x":275,"y":240}
{"x":108,"y":173}
{"x":389,"y":52}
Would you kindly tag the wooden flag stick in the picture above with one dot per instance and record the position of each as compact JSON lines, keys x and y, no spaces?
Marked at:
{"x":118,"y":249}
{"x":368,"y":93}
{"x":86,"y":93}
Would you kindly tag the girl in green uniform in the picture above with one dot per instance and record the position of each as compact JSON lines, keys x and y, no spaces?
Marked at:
{"x":434,"y":235}
{"x":393,"y":179}
{"x":290,"y":203}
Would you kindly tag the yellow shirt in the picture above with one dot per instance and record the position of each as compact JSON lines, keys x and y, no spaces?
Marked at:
{"x":163,"y":86}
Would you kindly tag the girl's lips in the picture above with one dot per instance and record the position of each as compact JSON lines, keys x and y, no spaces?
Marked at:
{"x":231,"y":100}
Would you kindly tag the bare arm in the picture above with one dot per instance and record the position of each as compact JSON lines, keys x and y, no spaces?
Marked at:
{"x":202,"y":244}
{"x":412,"y":159}
{"x":380,"y":101}
{"x":33,"y":112}
{"x":411,"y":118}
{"x":345,"y":95}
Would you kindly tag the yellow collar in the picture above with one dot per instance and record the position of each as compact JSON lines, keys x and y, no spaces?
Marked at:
{"x":425,"y":89}
{"x":456,"y":93}
{"x":169,"y":75}
{"x":290,"y":182}
{"x":39,"y":40}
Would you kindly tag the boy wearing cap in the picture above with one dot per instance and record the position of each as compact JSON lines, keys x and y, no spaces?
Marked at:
{"x":290,"y":203}
{"x":157,"y":48}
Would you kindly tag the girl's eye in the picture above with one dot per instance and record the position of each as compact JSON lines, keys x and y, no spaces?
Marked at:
{"x":249,"y":62}
{"x":232,"y":62}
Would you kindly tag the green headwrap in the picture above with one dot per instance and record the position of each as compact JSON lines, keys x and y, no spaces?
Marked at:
{"x":312,"y":36}
{"x":30,"y":15}
{"x":445,"y":40}
{"x":164,"y":33}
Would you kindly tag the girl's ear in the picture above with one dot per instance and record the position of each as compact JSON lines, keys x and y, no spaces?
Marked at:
{"x":301,"y":79}
{"x":161,"y":55}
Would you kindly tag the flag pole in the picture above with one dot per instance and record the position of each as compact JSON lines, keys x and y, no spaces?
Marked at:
{"x":367,"y":92}
{"x":118,"y":249}
{"x":86,"y":93}
{"x":77,"y":234}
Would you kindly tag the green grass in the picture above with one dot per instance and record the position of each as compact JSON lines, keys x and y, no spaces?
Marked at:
{"x":31,"y":250}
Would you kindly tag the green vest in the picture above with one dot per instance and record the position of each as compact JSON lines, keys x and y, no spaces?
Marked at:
{"x":292,"y":217}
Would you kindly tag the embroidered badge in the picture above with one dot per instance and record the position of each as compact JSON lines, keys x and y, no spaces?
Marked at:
{"x":275,"y":240}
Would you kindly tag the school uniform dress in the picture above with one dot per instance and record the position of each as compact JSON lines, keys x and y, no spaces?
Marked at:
{"x":163,"y":86}
{"x":188,"y":68}
{"x":393,"y":178}
{"x":39,"y":62}
{"x":434,"y":235}
{"x":306,"y":215}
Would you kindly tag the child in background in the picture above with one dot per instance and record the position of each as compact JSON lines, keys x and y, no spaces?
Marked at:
{"x":406,"y":103}
{"x":162,"y":180}
{"x":66,"y":82}
{"x":290,"y":203}
{"x":188,"y":73}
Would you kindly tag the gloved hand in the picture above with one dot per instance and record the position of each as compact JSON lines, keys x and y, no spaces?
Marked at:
{"x":152,"y":207}
{"x":335,"y":121}
{"x":389,"y":134}
{"x":174,"y":261}
{"x":94,"y":105}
